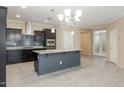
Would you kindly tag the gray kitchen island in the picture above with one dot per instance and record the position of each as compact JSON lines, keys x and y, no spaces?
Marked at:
{"x":47,"y":61}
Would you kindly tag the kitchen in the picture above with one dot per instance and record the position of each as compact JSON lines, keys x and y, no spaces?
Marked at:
{"x":43,"y":48}
{"x":43,"y":45}
{"x":28,"y":47}
{"x":23,"y":44}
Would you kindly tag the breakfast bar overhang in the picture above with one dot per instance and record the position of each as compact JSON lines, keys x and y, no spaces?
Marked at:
{"x":53,"y":60}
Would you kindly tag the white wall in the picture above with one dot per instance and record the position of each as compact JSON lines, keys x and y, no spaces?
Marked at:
{"x":119,"y":26}
{"x":65,"y":40}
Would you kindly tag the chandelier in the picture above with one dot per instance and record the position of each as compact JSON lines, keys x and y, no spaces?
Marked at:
{"x":69,"y":18}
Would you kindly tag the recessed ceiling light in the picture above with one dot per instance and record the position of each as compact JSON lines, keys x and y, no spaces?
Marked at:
{"x":17,"y":16}
{"x":52,"y":10}
{"x":72,"y":32}
{"x":46,"y":20}
{"x":23,"y":6}
{"x":49,"y":18}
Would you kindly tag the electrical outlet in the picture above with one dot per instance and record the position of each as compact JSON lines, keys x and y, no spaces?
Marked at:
{"x":60,"y":62}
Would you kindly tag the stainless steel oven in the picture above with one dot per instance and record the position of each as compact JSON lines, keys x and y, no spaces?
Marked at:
{"x":51,"y":42}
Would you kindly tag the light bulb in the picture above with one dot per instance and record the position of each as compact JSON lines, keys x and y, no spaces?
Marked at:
{"x":72,"y":32}
{"x":17,"y":15}
{"x":76,"y":18}
{"x":66,"y":20}
{"x":78,"y":13}
{"x":60,"y":17}
{"x":67,"y":12}
{"x":46,"y":20}
{"x":52,"y":30}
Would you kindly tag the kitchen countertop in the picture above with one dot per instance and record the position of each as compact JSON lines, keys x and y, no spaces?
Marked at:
{"x":54,"y":51}
{"x":24,"y":47}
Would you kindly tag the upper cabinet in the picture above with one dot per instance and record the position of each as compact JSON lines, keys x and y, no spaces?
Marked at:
{"x":13,"y":36}
{"x":3,"y":14}
{"x":39,"y":35}
{"x":49,"y":34}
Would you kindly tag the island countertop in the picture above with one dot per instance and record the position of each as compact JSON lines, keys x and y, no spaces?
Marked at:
{"x":55,"y":51}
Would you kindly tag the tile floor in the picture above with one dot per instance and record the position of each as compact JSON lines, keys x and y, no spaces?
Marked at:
{"x":93,"y":72}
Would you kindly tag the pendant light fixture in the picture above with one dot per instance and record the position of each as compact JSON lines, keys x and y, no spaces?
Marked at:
{"x":52,"y":30}
{"x":70,"y":17}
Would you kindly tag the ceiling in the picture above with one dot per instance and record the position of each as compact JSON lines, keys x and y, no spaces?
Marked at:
{"x":92,"y":16}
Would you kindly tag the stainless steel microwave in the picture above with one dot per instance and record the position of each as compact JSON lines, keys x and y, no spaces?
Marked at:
{"x":50,"y":42}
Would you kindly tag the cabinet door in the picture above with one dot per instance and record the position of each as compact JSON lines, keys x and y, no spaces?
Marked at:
{"x":40,"y":35}
{"x":2,"y":17}
{"x":49,"y":63}
{"x":13,"y":34}
{"x":49,"y":34}
{"x":28,"y":55}
{"x":70,"y":59}
{"x":14,"y":56}
{"x":2,"y":58}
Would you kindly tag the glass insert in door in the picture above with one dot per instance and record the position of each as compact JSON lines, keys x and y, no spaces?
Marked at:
{"x":99,"y":42}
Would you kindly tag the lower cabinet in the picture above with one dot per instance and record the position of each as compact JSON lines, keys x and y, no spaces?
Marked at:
{"x":70,"y":59}
{"x":19,"y":56}
{"x":14,"y":56}
{"x":28,"y":55}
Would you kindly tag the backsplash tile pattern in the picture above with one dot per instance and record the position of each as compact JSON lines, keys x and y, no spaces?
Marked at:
{"x":25,"y":40}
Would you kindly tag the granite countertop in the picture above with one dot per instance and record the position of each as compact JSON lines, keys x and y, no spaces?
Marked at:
{"x":24,"y":47}
{"x":54,"y":51}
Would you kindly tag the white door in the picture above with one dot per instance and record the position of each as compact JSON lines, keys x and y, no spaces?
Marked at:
{"x":113,"y":46}
{"x":99,"y":42}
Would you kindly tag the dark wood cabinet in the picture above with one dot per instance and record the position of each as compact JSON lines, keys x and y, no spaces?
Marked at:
{"x":13,"y":34}
{"x":14,"y":56}
{"x":3,"y":13}
{"x":20,"y":56}
{"x":39,"y":35}
{"x":28,"y":55}
{"x":49,"y":34}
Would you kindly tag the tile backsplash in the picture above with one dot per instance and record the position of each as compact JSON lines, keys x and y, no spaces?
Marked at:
{"x":25,"y":40}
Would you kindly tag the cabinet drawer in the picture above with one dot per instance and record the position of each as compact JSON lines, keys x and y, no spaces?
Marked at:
{"x":12,"y":60}
{"x":70,"y":59}
{"x":16,"y":53}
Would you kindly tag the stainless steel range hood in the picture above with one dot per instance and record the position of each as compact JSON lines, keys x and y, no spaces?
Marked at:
{"x":28,"y":28}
